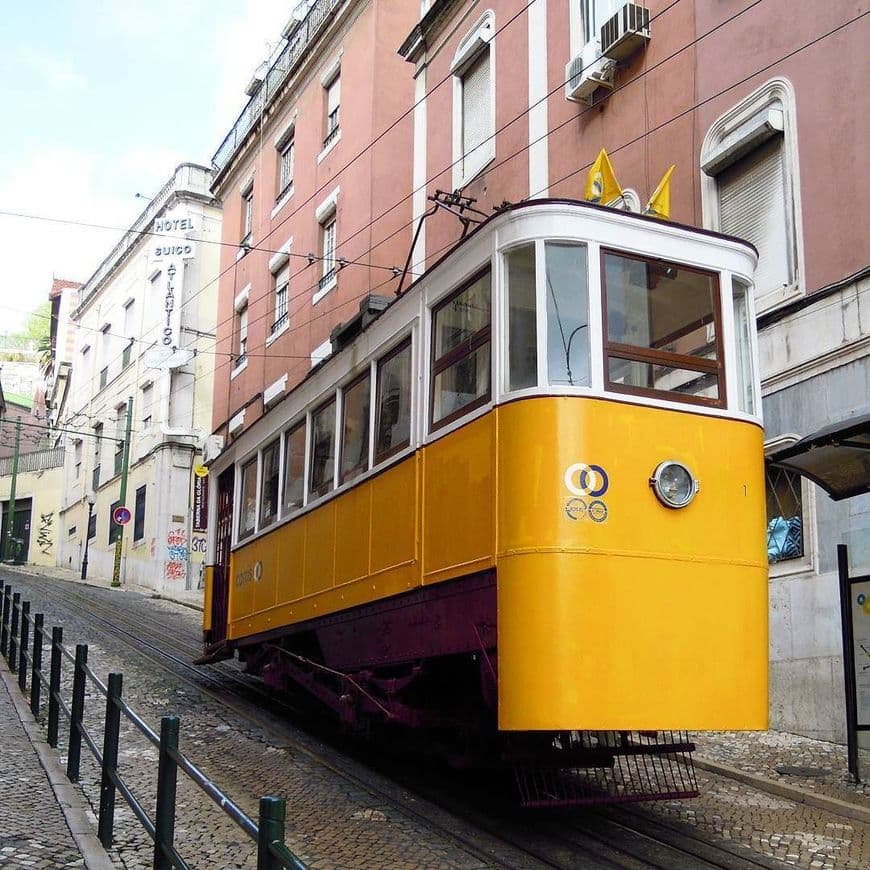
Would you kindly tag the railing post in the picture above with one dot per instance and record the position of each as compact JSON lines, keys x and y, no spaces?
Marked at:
{"x":167,"y":776}
{"x":36,"y":664}
{"x":54,"y":685}
{"x":74,"y":750}
{"x":271,"y":828}
{"x":106,"y":824}
{"x":23,"y":645}
{"x":13,"y":633}
{"x":4,"y":634}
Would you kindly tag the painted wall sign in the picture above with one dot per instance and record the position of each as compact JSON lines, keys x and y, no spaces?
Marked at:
{"x":200,"y":504}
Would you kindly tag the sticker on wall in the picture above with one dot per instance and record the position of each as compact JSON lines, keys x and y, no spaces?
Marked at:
{"x":587,"y":485}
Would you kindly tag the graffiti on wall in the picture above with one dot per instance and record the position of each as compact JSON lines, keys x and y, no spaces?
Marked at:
{"x":177,"y":554}
{"x":45,"y":538}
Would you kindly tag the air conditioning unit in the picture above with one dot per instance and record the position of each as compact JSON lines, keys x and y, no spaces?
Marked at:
{"x":587,"y":72}
{"x":626,"y":32}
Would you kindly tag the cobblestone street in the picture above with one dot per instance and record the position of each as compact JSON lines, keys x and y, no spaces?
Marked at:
{"x":341,"y":814}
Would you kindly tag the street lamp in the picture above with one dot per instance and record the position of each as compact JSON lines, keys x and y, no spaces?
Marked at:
{"x":91,"y":499}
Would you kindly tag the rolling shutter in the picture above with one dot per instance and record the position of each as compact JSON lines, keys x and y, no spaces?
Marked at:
{"x":476,"y":109}
{"x":752,"y":206}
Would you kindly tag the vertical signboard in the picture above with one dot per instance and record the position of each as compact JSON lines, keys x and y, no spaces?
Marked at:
{"x":200,"y":504}
{"x":170,"y":249}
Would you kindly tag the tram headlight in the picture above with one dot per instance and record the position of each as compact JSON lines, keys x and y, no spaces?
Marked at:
{"x":674,"y":485}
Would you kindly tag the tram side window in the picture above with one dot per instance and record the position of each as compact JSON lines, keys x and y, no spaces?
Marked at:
{"x":269,"y":487}
{"x":248,"y":504}
{"x":663,"y":330}
{"x":567,"y":314}
{"x":356,"y":404}
{"x":294,"y":468}
{"x":393,"y":426}
{"x":743,"y":329}
{"x":461,"y":351}
{"x":322,"y":449}
{"x":522,"y":323}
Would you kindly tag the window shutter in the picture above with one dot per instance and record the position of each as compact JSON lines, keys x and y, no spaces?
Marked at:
{"x":476,"y":110}
{"x":333,"y":95}
{"x":752,"y":206}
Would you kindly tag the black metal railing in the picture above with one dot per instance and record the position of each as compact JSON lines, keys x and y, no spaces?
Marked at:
{"x":23,"y":655}
{"x":331,"y":127}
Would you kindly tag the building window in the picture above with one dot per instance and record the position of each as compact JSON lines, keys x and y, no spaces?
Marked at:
{"x":281,"y":304}
{"x":129,"y":332}
{"x":595,"y":14}
{"x":356,"y":408}
{"x":473,"y":102}
{"x":461,"y":351}
{"x":662,"y":330}
{"x":147,"y":400}
{"x":242,"y":333}
{"x":104,"y":377}
{"x":115,"y":530}
{"x":105,"y":351}
{"x":322,"y":476}
{"x":750,"y":187}
{"x":92,"y":526}
{"x":333,"y":100}
{"x":139,"y":515}
{"x":286,"y":161}
{"x":393,"y":424}
{"x":785,"y":515}
{"x":327,"y":252}
{"x":269,"y":488}
{"x":98,"y":447}
{"x":247,"y":214}
{"x":77,"y":459}
{"x":294,"y":468}
{"x":248,"y":501}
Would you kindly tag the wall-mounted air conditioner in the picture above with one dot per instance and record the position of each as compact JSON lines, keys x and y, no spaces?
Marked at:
{"x":626,"y":32}
{"x":587,"y":72}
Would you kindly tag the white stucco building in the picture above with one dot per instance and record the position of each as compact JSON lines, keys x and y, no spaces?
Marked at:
{"x":144,"y":331}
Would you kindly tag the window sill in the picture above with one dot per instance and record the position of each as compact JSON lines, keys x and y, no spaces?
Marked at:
{"x":243,"y":249}
{"x":327,"y":148}
{"x":771,"y":300}
{"x":325,"y":290}
{"x":277,"y":333}
{"x":283,"y":199}
{"x":238,"y":370}
{"x":461,"y":179}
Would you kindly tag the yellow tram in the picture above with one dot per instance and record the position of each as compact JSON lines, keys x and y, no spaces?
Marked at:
{"x":526,"y":500}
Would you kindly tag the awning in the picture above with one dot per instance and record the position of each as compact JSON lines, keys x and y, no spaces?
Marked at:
{"x":837,"y":457}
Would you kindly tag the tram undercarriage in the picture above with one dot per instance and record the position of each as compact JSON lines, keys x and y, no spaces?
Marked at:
{"x":425,"y":664}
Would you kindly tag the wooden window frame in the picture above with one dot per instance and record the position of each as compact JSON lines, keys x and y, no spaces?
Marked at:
{"x":405,"y":344}
{"x":686,"y":362}
{"x":458,"y":353}
{"x":241,"y":534}
{"x":342,"y":478}
{"x":299,"y":424}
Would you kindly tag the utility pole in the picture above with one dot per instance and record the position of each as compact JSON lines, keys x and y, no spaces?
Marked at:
{"x":125,"y":467}
{"x":10,"y":523}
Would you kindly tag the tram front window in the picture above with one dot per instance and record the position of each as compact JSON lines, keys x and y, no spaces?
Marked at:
{"x":567,"y":314}
{"x":743,"y":331}
{"x":663,"y":328}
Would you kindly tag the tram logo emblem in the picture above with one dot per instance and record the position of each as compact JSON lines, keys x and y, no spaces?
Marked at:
{"x":587,"y":484}
{"x":250,"y":575}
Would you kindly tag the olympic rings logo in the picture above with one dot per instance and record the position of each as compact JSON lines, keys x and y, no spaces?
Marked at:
{"x":591,"y":480}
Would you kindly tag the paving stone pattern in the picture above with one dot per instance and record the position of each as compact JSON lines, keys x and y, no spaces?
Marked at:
{"x":33,"y":831}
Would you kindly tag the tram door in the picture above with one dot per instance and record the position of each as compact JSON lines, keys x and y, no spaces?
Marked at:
{"x":221,"y":581}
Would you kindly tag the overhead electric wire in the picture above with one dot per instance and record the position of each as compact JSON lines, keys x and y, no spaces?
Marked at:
{"x":559,"y":181}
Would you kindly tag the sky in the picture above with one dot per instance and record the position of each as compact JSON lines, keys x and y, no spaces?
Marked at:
{"x":101,"y":101}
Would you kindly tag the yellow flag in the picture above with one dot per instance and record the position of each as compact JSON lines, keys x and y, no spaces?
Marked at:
{"x":659,"y":204}
{"x":601,"y":184}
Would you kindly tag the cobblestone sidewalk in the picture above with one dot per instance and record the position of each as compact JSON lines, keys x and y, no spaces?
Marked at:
{"x":799,"y":762}
{"x":33,"y":830}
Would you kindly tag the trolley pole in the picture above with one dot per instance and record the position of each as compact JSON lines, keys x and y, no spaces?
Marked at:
{"x":125,"y":467}
{"x":10,"y":522}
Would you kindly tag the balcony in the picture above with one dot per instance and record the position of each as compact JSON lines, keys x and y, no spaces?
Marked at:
{"x":299,"y":41}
